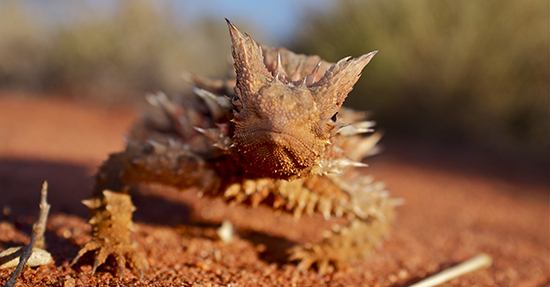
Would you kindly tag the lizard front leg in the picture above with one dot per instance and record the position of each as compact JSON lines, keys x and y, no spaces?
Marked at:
{"x":111,"y":211}
{"x":111,"y":220}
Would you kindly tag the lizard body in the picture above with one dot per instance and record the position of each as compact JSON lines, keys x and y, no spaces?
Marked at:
{"x":280,"y":138}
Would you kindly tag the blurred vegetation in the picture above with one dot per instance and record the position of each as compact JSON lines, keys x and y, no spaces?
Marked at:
{"x":22,"y":45}
{"x":472,"y":72}
{"x":468,"y":71}
{"x":139,"y":47}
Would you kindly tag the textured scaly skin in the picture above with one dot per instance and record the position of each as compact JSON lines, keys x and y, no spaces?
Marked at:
{"x":279,"y":138}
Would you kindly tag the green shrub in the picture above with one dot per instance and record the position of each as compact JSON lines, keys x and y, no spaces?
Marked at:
{"x":23,"y":48}
{"x":473,"y":71}
{"x":137,"y":48}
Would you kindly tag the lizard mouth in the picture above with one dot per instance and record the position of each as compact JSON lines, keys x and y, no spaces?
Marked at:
{"x":274,"y":154}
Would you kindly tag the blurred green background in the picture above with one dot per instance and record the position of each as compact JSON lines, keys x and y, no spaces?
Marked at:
{"x":468,"y":72}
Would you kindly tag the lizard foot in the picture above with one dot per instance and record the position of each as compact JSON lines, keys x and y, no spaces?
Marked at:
{"x":111,"y":220}
{"x":123,"y":254}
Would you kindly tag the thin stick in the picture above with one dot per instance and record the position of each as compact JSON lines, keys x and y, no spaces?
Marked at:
{"x":39,"y":226}
{"x":479,"y":261}
{"x":37,"y":237}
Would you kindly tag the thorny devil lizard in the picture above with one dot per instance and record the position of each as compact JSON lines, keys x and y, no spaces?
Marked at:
{"x":276,"y":135}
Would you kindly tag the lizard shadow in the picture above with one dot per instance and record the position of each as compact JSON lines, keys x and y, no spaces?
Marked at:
{"x":21,"y":182}
{"x":271,"y":249}
{"x":160,"y":211}
{"x":176,"y":208}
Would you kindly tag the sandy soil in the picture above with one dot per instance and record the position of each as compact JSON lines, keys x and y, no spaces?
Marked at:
{"x":459,"y":203}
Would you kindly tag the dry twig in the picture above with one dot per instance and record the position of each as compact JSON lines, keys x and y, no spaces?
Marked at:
{"x":37,"y":238}
{"x":479,"y":261}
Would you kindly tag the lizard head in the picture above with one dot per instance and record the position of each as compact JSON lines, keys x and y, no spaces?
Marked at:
{"x":283,"y":124}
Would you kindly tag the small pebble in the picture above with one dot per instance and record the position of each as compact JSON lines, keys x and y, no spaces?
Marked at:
{"x":39,"y":257}
{"x":69,"y":282}
{"x":225,"y":232}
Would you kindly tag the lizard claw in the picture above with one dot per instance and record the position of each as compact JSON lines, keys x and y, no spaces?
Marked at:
{"x":124,"y":254}
{"x":76,"y":258}
{"x":94,"y":268}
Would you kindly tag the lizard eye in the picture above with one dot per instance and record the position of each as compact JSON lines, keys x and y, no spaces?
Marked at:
{"x":236,"y":101}
{"x":334,"y":118}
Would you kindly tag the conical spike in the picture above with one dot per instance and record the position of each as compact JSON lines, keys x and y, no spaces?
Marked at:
{"x":325,"y":206}
{"x":310,"y":79}
{"x":296,"y":76}
{"x":222,"y":101}
{"x":212,"y":103}
{"x":232,"y":190}
{"x":158,"y":148}
{"x":354,"y":163}
{"x":279,"y":71}
{"x":161,"y":100}
{"x":357,"y":128}
{"x":303,"y":82}
{"x":92,"y":203}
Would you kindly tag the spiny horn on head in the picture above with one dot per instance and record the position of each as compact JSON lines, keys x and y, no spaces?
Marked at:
{"x":248,"y":59}
{"x":332,"y":89}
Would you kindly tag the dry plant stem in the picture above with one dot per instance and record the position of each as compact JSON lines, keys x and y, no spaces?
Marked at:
{"x":39,"y":226}
{"x":9,"y":257}
{"x":479,"y":261}
{"x":37,"y":237}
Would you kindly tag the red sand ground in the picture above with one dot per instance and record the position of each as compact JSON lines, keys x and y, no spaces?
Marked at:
{"x":459,"y":203}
